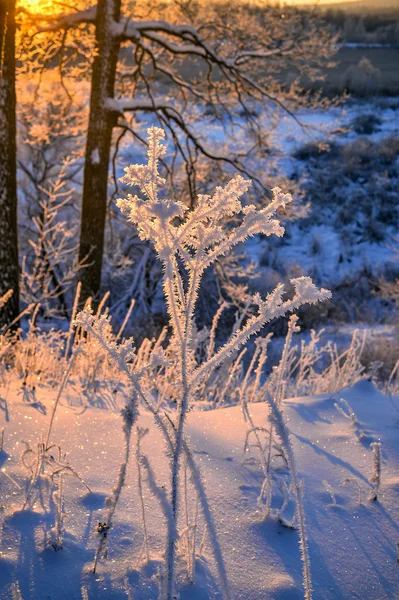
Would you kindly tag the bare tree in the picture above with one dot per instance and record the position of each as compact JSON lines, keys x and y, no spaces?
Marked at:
{"x":199,"y":61}
{"x":8,"y":182}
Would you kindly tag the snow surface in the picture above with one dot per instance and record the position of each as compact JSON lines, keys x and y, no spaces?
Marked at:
{"x":352,"y":546}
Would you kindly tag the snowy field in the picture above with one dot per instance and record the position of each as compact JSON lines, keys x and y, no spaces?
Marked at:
{"x":333,"y":252}
{"x":352,"y":544}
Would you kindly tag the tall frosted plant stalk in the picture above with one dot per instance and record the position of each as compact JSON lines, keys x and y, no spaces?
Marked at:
{"x":129,"y":416}
{"x":145,"y":551}
{"x":187,"y":243}
{"x":281,"y":374}
{"x":73,"y":315}
{"x":375,"y":478}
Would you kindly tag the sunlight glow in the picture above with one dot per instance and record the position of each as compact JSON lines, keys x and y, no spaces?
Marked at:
{"x":36,"y":6}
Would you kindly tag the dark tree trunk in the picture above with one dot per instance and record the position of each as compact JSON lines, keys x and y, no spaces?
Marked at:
{"x":9,"y":269}
{"x":99,"y":138}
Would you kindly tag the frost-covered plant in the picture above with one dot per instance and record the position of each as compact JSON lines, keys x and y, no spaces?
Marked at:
{"x":129,"y":416}
{"x":187,"y":243}
{"x":56,"y":539}
{"x":275,"y":386}
{"x":277,"y":420}
{"x":353,"y":481}
{"x":5,"y":336}
{"x":392,"y":385}
{"x":313,"y":368}
{"x":375,"y":478}
{"x":303,"y":375}
{"x":265,"y":494}
{"x":135,"y":367}
{"x":97,"y":379}
{"x":330,"y":490}
{"x":145,"y":550}
{"x":123,"y":354}
{"x":189,"y":534}
{"x":103,"y":343}
{"x":50,"y":267}
{"x":345,"y":409}
{"x":280,"y":376}
{"x":44,"y":463}
{"x":36,"y":357}
{"x":345,"y":368}
{"x":161,"y":495}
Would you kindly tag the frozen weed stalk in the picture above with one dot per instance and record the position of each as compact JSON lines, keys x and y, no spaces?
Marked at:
{"x":330,"y":490}
{"x":278,"y":421}
{"x":354,"y":482}
{"x":346,"y":411}
{"x":375,"y":478}
{"x":187,"y":243}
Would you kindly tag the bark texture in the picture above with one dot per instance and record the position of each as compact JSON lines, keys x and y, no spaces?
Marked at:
{"x":9,"y":269}
{"x":98,"y":147}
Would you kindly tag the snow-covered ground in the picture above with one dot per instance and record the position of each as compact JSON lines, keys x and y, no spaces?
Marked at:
{"x":352,"y":545}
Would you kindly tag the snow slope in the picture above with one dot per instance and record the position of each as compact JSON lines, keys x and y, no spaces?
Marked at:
{"x":352,"y":546}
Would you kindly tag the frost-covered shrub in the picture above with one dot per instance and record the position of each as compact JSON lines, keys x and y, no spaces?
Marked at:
{"x":333,"y":174}
{"x":354,"y":186}
{"x":366,"y":124}
{"x":383,"y":350}
{"x":313,"y":150}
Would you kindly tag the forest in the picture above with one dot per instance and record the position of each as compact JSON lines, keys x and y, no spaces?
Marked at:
{"x":199,"y":289}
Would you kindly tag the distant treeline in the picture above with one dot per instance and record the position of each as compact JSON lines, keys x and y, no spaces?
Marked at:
{"x":367,"y":26}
